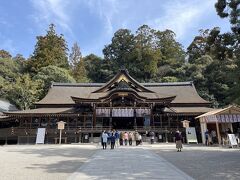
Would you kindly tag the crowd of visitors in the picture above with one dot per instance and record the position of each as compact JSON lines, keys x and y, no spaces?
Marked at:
{"x":116,"y":138}
{"x":211,"y":137}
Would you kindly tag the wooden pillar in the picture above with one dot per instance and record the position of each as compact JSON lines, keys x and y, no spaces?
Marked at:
{"x":135,"y":118}
{"x":203,"y":126}
{"x":110,"y":119}
{"x":91,"y":137}
{"x":153,"y":121}
{"x":20,"y":122}
{"x":218,"y":133}
{"x":76,"y":121}
{"x":39,"y":121}
{"x":30,"y":122}
{"x":168,"y":121}
{"x":161,"y":117}
{"x":177,"y":122}
{"x":84,"y":120}
{"x":151,"y":116}
{"x":48,"y":126}
{"x":94,"y":116}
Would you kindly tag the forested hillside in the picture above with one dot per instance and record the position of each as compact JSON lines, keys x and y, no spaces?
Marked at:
{"x":212,"y":61}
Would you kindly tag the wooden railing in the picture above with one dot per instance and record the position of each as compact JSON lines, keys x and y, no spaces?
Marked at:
{"x":19,"y":131}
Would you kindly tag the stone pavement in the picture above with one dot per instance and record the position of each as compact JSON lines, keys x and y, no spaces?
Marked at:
{"x":127,"y":163}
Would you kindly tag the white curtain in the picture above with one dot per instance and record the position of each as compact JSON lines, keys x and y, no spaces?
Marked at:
{"x":122,"y":112}
{"x":143,"y":112}
{"x":103,"y":112}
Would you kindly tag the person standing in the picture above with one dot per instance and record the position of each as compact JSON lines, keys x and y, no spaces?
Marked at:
{"x":130,"y":138}
{"x":113,"y":140}
{"x":206,"y":137}
{"x":104,"y":140}
{"x":121,"y":138}
{"x":152,"y":134}
{"x":117,"y":136}
{"x":136,"y":138}
{"x":214,"y":136}
{"x":140,"y":138}
{"x":178,"y":139}
{"x":125,"y":138}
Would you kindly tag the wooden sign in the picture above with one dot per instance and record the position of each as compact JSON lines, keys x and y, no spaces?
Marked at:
{"x":186,"y":123}
{"x":61,"y":124}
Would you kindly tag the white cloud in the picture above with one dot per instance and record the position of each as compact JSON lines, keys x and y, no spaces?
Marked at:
{"x":52,"y":11}
{"x":106,"y":10}
{"x":181,"y":16}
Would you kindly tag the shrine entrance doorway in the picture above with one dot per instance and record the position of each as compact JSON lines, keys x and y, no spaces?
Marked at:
{"x":123,"y":123}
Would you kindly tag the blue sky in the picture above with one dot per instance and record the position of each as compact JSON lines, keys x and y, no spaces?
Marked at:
{"x":92,"y":23}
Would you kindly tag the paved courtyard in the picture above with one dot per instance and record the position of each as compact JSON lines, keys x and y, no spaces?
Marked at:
{"x":143,"y":162}
{"x":202,"y":162}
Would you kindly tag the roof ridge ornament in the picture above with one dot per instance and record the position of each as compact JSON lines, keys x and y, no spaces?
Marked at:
{"x":123,"y":75}
{"x":123,"y":69}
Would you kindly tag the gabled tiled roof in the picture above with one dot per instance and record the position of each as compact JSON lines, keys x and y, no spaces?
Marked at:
{"x":61,"y":93}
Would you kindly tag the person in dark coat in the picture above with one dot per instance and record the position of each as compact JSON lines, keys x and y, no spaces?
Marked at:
{"x":206,"y":137}
{"x":117,"y":136}
{"x":178,"y":140}
{"x":112,"y":139}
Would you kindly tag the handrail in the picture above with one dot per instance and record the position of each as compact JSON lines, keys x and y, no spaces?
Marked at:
{"x":26,"y":131}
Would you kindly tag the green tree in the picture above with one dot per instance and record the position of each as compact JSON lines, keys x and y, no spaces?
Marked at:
{"x":5,"y":54}
{"x":24,"y":92}
{"x":75,"y":55}
{"x":79,"y":73}
{"x":119,"y":51}
{"x":50,"y":49}
{"x":230,"y":9}
{"x":77,"y":64}
{"x":9,"y":69}
{"x":148,"y":55}
{"x":172,"y":51}
{"x":96,"y":68}
{"x":217,"y":80}
{"x":21,"y":63}
{"x":51,"y":74}
{"x":173,"y":56}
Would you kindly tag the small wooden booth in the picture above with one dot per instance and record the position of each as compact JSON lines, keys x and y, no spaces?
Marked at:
{"x":221,"y":121}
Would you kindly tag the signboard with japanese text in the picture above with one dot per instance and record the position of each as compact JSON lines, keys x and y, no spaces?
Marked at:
{"x":191,"y":135}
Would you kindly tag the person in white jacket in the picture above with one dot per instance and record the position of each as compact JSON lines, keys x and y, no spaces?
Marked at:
{"x":104,"y":140}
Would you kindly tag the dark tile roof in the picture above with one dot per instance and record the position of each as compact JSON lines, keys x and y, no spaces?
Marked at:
{"x":42,"y":111}
{"x":61,"y":93}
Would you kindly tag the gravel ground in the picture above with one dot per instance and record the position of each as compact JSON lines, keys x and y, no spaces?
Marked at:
{"x":37,"y":162}
{"x":202,"y":162}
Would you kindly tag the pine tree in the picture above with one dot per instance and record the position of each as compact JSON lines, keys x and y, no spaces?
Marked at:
{"x":77,"y":64}
{"x":50,"y":49}
{"x":75,"y":56}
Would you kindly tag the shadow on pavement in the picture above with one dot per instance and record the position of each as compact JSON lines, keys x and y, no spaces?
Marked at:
{"x":58,"y":159}
{"x":204,"y":163}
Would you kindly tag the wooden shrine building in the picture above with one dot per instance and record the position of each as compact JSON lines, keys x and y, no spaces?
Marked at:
{"x":122,"y":104}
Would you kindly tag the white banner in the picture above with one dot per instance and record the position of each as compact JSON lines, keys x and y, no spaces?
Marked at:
{"x":143,"y":112}
{"x":103,"y":112}
{"x":191,"y":135}
{"x":232,"y":140}
{"x":40,"y":135}
{"x":122,"y":112}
